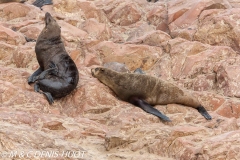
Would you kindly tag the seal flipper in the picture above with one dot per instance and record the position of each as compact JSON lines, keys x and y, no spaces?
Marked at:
{"x":54,"y":66}
{"x":203,"y":112}
{"x":47,"y":94}
{"x":40,"y":3}
{"x":148,"y":108}
{"x":33,"y":78}
{"x":52,"y":70}
{"x":139,"y":71}
{"x":30,"y":39}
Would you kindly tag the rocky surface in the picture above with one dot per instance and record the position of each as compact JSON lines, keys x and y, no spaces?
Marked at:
{"x":193,"y":44}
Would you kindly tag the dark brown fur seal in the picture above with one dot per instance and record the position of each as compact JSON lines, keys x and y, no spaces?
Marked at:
{"x":57,"y":75}
{"x":144,"y":91}
{"x":6,"y":1}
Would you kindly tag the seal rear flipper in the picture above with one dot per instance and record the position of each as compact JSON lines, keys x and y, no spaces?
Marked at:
{"x":30,"y":39}
{"x":203,"y":112}
{"x":139,"y":71}
{"x":33,"y":77}
{"x":47,"y":94}
{"x":40,"y":3}
{"x":148,"y":108}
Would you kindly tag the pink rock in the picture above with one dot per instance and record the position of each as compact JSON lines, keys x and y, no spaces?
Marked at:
{"x":140,"y":31}
{"x":6,"y":52}
{"x":32,"y":30}
{"x":71,"y":33}
{"x":9,"y":36}
{"x":97,"y":30}
{"x":228,"y":80}
{"x":185,"y":16}
{"x":91,"y":11}
{"x":158,"y":16}
{"x":229,"y":109}
{"x":16,"y":10}
{"x":125,"y":14}
{"x":154,"y":38}
{"x":134,"y":56}
{"x":219,"y":27}
{"x":214,"y":146}
{"x":193,"y":44}
{"x":24,"y":55}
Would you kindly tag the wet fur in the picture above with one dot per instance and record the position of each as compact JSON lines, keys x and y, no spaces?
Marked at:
{"x":50,"y":50}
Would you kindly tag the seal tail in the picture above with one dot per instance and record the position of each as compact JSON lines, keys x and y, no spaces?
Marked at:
{"x":203,"y":112}
{"x":148,"y":108}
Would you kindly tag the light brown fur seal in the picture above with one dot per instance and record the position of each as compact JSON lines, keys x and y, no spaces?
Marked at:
{"x":144,"y":91}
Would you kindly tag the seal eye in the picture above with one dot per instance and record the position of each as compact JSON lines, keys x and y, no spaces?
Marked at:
{"x":102,"y":69}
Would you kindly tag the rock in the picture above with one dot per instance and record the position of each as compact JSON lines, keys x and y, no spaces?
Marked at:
{"x":23,"y":56}
{"x":11,"y":37}
{"x":213,"y":148}
{"x":134,"y":56}
{"x":227,"y":80}
{"x":6,"y":51}
{"x":125,"y":14}
{"x":154,"y":38}
{"x":183,"y":18}
{"x":140,"y":31}
{"x":97,"y":30}
{"x":220,"y":28}
{"x":15,"y":10}
{"x":192,"y":44}
{"x":86,"y":9}
{"x":31,"y":31}
{"x":75,"y":35}
{"x":119,"y":67}
{"x":157,"y":15}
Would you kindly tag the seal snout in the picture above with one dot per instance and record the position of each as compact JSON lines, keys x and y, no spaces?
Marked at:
{"x":47,"y":14}
{"x":93,"y":71}
{"x":48,"y":18}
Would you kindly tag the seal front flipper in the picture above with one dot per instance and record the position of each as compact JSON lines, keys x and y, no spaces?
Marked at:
{"x":33,"y":78}
{"x":39,"y":74}
{"x":47,"y":94}
{"x":148,"y":108}
{"x":54,"y":66}
{"x":203,"y":112}
{"x":52,"y":70}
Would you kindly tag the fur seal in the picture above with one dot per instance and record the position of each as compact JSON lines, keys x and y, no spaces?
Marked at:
{"x":6,"y":1}
{"x":57,"y":75}
{"x":144,"y":91}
